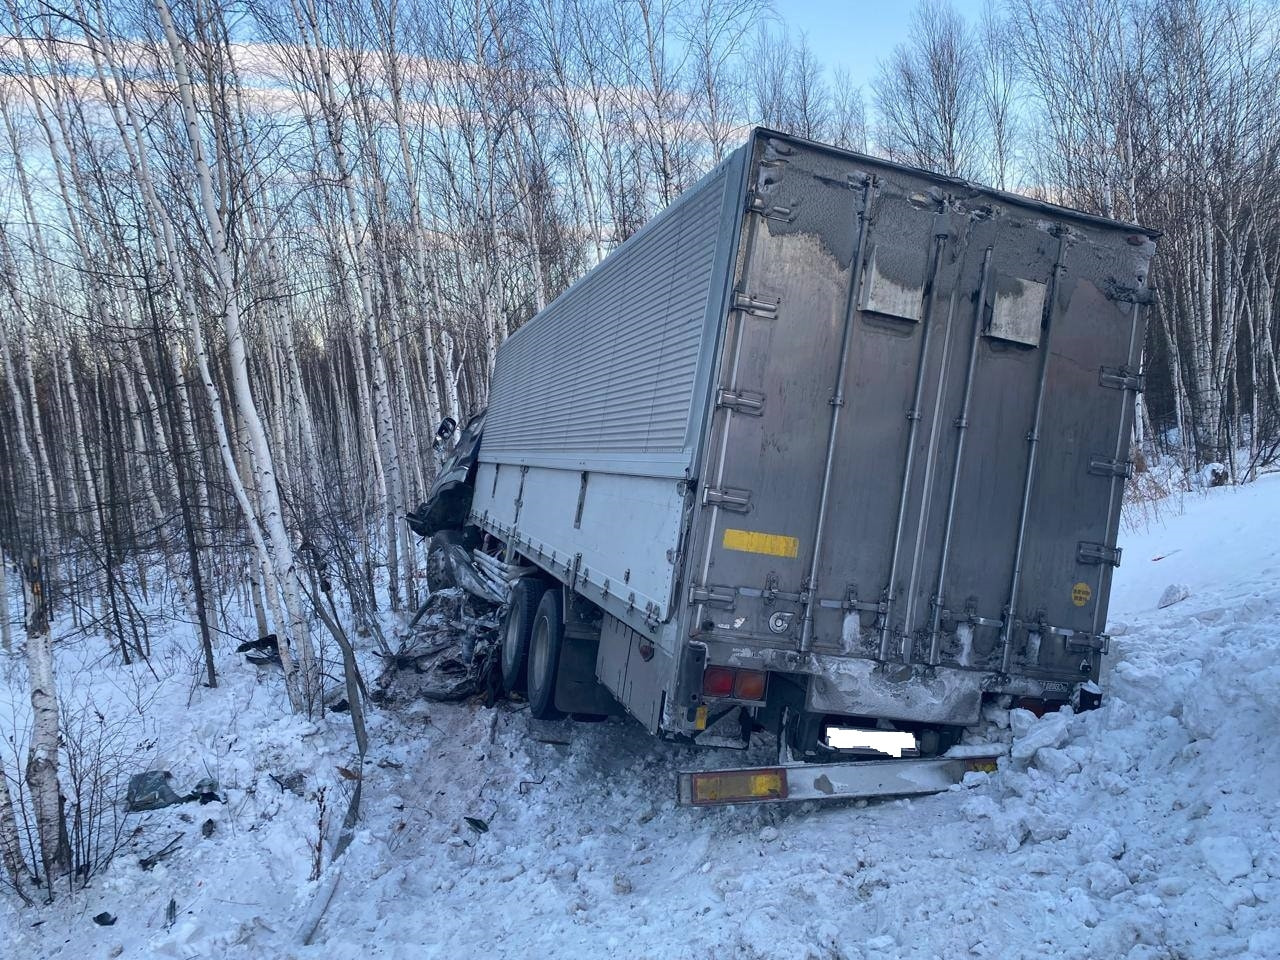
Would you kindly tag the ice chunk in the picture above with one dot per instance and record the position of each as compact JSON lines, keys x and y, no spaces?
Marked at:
{"x":1105,"y":879}
{"x":1227,"y":857}
{"x":1173,"y":593}
{"x":1020,"y":721}
{"x":1057,"y":763}
{"x":1266,"y":943}
{"x":1049,"y":731}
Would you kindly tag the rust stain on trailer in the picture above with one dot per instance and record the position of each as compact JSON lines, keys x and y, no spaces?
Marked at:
{"x":751,"y":541}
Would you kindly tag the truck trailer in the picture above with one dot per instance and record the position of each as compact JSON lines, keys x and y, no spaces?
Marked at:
{"x":830,"y":443}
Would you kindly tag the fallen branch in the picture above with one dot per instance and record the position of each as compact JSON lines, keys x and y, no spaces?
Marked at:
{"x":315,"y":913}
{"x":167,"y":850}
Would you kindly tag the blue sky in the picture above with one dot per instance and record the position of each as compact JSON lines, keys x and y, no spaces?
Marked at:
{"x":855,"y":34}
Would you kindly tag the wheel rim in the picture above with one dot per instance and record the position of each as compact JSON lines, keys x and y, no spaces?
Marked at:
{"x":538,"y":654}
{"x":509,"y":643}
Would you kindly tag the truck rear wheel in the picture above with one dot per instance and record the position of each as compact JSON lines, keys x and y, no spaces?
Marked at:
{"x":544,"y":656}
{"x":517,"y":627}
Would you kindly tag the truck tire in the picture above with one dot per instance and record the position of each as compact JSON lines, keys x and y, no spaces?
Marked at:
{"x":517,"y":627}
{"x":439,"y":572}
{"x":544,"y":656}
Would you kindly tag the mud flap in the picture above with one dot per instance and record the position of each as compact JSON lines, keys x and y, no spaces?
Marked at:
{"x":577,"y":689}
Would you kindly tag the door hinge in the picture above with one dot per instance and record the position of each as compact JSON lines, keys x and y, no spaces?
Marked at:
{"x":724,"y":596}
{"x":741,"y":401}
{"x":758,"y":203}
{"x":756,"y":306}
{"x":1072,"y":639}
{"x":1088,"y":641}
{"x":738,"y":501}
{"x":1097,"y":553}
{"x":1108,"y":467}
{"x":1122,"y":378}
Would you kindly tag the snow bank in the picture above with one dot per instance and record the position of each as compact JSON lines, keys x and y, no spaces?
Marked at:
{"x":1148,"y":829}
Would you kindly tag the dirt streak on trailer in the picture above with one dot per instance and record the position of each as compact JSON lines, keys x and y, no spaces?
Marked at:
{"x":830,"y":442}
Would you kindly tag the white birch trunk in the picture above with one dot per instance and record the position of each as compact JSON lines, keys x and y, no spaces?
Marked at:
{"x":6,"y":628}
{"x":303,"y":680}
{"x":43,"y":755}
{"x":10,"y":843}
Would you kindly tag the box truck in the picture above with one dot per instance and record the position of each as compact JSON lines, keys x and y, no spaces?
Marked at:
{"x":830,"y":444}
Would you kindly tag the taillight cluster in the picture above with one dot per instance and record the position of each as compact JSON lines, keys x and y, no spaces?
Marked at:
{"x":719,"y":682}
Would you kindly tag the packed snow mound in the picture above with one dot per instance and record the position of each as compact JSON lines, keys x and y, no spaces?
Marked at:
{"x":1148,"y":829}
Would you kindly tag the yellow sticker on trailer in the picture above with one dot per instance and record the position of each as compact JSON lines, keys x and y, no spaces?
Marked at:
{"x":1081,"y":593}
{"x":770,"y":544}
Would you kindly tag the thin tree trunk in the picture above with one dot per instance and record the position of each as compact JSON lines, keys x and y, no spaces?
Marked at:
{"x":43,"y":756}
{"x":10,"y":841}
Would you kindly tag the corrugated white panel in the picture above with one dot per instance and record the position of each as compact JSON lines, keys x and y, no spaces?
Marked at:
{"x":609,"y":367}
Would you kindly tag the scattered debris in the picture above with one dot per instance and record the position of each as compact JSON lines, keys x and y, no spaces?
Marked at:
{"x":167,"y":850}
{"x":525,"y":785}
{"x":263,"y":652}
{"x":477,"y":825}
{"x":150,"y":791}
{"x":450,"y":652}
{"x":105,"y":919}
{"x":206,"y":791}
{"x":295,"y":783}
{"x":207,"y":828}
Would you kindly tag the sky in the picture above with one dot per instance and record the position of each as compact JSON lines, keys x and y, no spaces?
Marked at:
{"x":855,"y":34}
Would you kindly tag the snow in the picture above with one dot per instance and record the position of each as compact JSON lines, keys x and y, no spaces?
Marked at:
{"x":1148,"y":829}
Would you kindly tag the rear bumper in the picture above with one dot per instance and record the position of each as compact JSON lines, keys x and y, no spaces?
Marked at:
{"x":865,"y":688}
{"x":862,"y":687}
{"x":865,"y":779}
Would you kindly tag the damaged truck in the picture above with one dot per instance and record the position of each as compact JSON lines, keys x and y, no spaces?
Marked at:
{"x":830,"y":445}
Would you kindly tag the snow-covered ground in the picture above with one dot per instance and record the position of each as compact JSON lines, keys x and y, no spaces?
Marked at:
{"x":1147,"y":829}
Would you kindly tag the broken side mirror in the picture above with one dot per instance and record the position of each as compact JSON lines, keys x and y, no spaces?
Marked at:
{"x":446,"y":430}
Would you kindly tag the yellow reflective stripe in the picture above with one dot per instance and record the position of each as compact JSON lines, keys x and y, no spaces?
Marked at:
{"x":749,"y":541}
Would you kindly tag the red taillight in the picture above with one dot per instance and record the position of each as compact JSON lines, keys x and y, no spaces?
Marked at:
{"x":728,"y":682}
{"x":749,"y":685}
{"x":717,"y":681}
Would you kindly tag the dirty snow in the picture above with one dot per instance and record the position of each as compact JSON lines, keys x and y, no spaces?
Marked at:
{"x":1148,"y":829}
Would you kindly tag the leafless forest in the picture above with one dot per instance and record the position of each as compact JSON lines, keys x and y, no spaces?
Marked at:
{"x":251,"y":253}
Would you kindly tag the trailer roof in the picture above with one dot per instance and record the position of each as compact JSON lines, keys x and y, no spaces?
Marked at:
{"x":1016,"y":199}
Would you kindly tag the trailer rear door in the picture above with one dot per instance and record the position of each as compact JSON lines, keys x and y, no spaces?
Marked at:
{"x":921,"y":421}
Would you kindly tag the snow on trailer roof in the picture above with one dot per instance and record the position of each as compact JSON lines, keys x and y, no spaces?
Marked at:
{"x":1015,"y":199}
